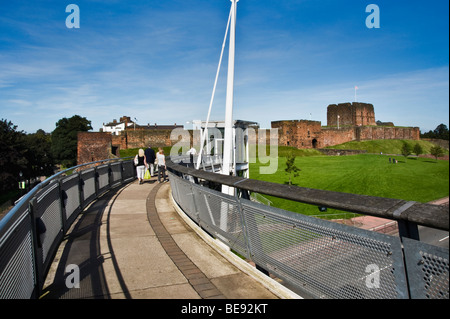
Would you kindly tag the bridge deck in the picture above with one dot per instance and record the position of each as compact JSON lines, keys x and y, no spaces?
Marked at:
{"x":131,"y":243}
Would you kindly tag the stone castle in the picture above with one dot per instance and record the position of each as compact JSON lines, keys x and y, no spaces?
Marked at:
{"x":345,"y":122}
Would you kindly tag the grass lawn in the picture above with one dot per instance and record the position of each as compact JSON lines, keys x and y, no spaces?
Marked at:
{"x":385,"y":146}
{"x":417,"y":179}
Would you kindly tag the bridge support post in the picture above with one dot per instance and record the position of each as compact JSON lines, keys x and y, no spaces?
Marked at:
{"x":408,"y":230}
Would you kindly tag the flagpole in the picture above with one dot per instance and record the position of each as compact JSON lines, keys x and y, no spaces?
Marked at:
{"x":355,"y":92}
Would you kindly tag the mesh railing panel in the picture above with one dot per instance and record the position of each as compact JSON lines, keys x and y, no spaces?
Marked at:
{"x":320,"y":258}
{"x":48,"y":209}
{"x":116,"y":174}
{"x":428,"y":270}
{"x":17,"y":271}
{"x":103,"y":178}
{"x":70,"y":185}
{"x":88,"y":178}
{"x":220,"y":215}
{"x":187,"y":198}
{"x":129,"y":171}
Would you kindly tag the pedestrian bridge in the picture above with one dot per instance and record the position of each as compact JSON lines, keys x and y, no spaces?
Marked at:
{"x":131,"y":243}
{"x":96,"y":233}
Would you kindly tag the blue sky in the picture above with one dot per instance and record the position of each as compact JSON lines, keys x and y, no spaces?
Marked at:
{"x":156,"y":60}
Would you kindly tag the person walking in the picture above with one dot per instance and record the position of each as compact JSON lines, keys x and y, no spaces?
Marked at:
{"x":191,"y":154}
{"x":150,"y":157}
{"x":141,"y":164}
{"x":161,"y":165}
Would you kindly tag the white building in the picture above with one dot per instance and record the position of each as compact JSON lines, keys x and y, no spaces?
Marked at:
{"x":116,"y":127}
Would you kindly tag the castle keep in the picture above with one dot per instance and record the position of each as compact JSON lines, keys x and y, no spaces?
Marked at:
{"x":345,"y":122}
{"x":353,"y":114}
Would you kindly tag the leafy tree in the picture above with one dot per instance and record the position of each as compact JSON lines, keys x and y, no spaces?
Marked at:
{"x":437,"y":151}
{"x":12,"y":161}
{"x":406,"y":149}
{"x":64,"y":139}
{"x":418,"y":149}
{"x":39,"y":155}
{"x":291,"y":168}
{"x":440,"y":132}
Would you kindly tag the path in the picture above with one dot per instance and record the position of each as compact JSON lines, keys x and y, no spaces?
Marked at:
{"x":131,"y":243}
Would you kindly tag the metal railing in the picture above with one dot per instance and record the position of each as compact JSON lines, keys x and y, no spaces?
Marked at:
{"x":319,"y":258}
{"x":33,"y":229}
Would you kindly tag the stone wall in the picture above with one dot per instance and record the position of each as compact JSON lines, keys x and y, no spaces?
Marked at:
{"x":94,"y":146}
{"x":144,"y":138}
{"x":332,"y":136}
{"x":367,"y":133}
{"x":298,"y":133}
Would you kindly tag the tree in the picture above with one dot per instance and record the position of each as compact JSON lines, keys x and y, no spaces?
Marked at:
{"x":12,"y":161}
{"x":406,"y":149}
{"x":39,"y":155}
{"x":291,"y":168}
{"x":437,"y":151}
{"x":64,"y":139}
{"x":440,"y":132}
{"x":418,"y":149}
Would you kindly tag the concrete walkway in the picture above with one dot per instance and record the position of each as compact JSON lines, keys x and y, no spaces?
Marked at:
{"x":131,"y":243}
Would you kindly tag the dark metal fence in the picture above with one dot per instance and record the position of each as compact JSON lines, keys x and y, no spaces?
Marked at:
{"x":32,"y":231}
{"x":320,"y":258}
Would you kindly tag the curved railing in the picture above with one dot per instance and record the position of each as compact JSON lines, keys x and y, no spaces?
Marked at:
{"x":32,"y":230}
{"x":319,"y":258}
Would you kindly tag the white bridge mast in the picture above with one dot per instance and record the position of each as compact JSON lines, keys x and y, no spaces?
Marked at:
{"x":228,"y":138}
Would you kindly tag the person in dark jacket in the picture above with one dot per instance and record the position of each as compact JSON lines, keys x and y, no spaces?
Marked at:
{"x":150,"y":156}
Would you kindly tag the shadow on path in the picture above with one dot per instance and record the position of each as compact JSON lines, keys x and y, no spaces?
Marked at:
{"x":81,"y":247}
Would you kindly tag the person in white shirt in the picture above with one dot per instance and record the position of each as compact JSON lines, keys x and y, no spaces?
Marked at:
{"x":191,"y":154}
{"x":161,"y":165}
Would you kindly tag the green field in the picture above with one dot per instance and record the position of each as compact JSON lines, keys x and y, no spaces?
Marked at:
{"x":417,"y":179}
{"x":385,"y":146}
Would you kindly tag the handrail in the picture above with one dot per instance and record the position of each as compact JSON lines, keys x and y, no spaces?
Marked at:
{"x":27,"y":197}
{"x":433,"y":216}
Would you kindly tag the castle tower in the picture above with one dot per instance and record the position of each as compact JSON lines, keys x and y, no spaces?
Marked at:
{"x":350,"y":114}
